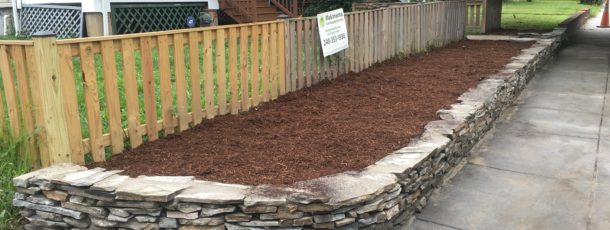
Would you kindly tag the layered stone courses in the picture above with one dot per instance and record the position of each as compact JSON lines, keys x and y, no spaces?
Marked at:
{"x":384,"y":195}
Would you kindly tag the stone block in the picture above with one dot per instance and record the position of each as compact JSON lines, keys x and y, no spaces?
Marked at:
{"x":212,"y":211}
{"x":58,"y":210}
{"x":147,"y":190}
{"x":93,"y":211}
{"x":238,"y":217}
{"x":56,"y":195}
{"x":181,"y":215}
{"x":207,"y":221}
{"x":213,"y":193}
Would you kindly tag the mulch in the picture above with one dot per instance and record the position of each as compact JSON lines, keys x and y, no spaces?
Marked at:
{"x":345,"y":124}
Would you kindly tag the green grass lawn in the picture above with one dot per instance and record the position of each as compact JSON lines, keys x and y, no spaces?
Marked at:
{"x":11,"y":165}
{"x":540,"y":15}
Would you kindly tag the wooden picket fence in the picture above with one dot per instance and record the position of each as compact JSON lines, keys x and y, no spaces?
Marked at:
{"x":374,"y":36}
{"x":484,"y":15}
{"x":85,"y":99}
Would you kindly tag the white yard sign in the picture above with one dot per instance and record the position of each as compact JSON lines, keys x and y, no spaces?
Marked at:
{"x":333,"y":32}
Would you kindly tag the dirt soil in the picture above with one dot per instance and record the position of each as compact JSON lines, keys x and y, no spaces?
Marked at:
{"x":340,"y":125}
{"x":515,"y":32}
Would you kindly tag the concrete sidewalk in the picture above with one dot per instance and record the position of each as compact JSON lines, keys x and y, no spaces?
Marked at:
{"x":547,"y":165}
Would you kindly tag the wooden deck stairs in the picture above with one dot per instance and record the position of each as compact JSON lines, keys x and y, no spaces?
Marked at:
{"x":246,"y":11}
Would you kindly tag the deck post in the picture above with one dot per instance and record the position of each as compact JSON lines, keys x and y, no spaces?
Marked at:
{"x":55,"y":127}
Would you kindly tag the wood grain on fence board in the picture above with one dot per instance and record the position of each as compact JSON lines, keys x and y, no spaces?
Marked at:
{"x":165,"y":85}
{"x":299,"y":57}
{"x":221,"y":71}
{"x":92,"y":102}
{"x":233,"y":71}
{"x":307,"y":51}
{"x":74,"y":134}
{"x":293,"y":56}
{"x":265,"y":64}
{"x":10,"y":94}
{"x":243,"y":68}
{"x":195,"y":76}
{"x":208,"y":75}
{"x":287,"y":57}
{"x":131,"y":93}
{"x":111,"y":92}
{"x":273,"y":65}
{"x":148,"y":85}
{"x":255,"y":66}
{"x":18,"y":55}
{"x":281,"y":58}
{"x":181,"y":85}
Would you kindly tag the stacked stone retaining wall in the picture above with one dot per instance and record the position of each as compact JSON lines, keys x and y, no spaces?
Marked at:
{"x":383,"y":196}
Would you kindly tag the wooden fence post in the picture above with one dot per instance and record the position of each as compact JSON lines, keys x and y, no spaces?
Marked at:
{"x":55,"y":125}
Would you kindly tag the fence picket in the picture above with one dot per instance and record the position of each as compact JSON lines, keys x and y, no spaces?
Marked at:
{"x":254,"y":68}
{"x":181,"y":87}
{"x":273,"y":65}
{"x":243,"y":73}
{"x":18,"y":54}
{"x":221,"y":72}
{"x":350,"y":40}
{"x":148,"y":85}
{"x":281,"y":34}
{"x":131,"y":93}
{"x":287,"y":57}
{"x":92,"y":102}
{"x":208,"y":75}
{"x":233,"y":70}
{"x":195,"y":73}
{"x":74,"y":135}
{"x":313,"y":43}
{"x":9,"y":91}
{"x":307,"y":52}
{"x":2,"y":112}
{"x":165,"y":85}
{"x":265,"y":63}
{"x":112,"y":95}
{"x":293,"y":56}
{"x":316,"y":47}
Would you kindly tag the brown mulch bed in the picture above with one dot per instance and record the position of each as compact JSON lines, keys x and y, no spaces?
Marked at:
{"x":340,"y":125}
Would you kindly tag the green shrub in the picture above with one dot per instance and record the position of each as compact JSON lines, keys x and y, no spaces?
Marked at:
{"x":12,"y":163}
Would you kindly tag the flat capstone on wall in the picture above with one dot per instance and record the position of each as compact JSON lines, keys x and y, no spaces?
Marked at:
{"x":384,"y":195}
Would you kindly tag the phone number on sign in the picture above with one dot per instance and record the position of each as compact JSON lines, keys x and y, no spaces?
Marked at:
{"x":334,"y":39}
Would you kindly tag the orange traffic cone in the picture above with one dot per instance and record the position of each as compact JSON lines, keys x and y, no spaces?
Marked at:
{"x":604,"y":23}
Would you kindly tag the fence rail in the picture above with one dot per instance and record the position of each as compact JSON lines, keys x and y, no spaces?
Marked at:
{"x":93,"y":97}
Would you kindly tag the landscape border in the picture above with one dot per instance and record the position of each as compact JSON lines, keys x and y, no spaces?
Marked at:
{"x":384,"y":195}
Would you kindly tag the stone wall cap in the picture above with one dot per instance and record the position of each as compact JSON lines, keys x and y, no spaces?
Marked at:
{"x":110,"y":183}
{"x":345,"y":189}
{"x":140,"y":189}
{"x":396,"y":163}
{"x":207,"y":192}
{"x":172,"y":179}
{"x":428,"y":142}
{"x":270,"y":195}
{"x":46,"y":173}
{"x":445,"y":127}
{"x":85,"y":178}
